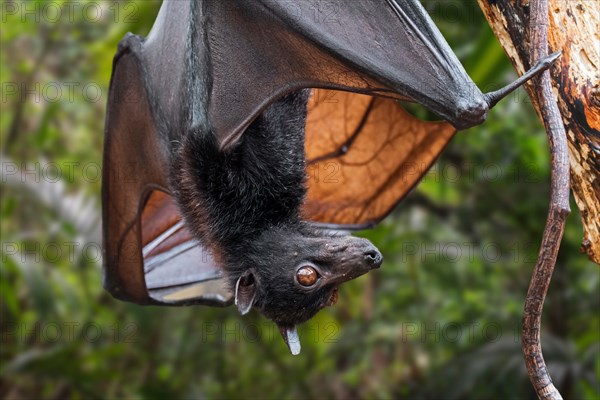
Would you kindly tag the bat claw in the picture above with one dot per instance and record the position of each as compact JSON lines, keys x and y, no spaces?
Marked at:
{"x":542,"y":65}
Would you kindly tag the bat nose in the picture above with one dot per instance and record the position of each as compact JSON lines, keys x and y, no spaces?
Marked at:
{"x":373,"y":257}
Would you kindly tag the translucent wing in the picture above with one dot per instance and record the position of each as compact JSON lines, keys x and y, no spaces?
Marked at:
{"x":364,"y":155}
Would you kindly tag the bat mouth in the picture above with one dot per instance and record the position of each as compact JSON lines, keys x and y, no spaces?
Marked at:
{"x":333,"y":297}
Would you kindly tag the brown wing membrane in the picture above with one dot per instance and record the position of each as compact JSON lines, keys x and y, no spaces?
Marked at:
{"x":133,"y":164}
{"x":150,"y":257}
{"x":364,"y":154}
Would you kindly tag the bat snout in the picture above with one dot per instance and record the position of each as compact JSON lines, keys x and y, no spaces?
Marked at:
{"x":373,"y":257}
{"x":360,"y":257}
{"x":365,"y":254}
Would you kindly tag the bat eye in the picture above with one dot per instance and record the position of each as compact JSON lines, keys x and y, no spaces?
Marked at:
{"x":307,"y":276}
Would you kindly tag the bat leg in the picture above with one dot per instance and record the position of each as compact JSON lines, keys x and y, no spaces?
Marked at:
{"x":493,"y":98}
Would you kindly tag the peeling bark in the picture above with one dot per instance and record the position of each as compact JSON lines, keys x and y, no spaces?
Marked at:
{"x":574,"y":28}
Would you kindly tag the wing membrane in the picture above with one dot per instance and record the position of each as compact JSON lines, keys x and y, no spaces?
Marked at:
{"x":364,"y":155}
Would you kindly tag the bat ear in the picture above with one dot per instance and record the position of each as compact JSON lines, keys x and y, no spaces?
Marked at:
{"x":245,"y":292}
{"x":290,"y":336}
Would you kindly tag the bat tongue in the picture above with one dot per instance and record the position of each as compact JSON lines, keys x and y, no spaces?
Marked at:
{"x":290,"y":336}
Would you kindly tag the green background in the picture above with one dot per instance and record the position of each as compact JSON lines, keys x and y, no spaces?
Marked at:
{"x":440,"y":319}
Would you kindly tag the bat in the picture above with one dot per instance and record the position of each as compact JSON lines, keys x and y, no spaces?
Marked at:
{"x":244,"y":140}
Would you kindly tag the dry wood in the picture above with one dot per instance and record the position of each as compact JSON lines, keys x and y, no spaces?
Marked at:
{"x":574,"y":28}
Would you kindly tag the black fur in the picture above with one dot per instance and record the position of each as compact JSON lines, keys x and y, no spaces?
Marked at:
{"x":255,"y":185}
{"x":244,"y":204}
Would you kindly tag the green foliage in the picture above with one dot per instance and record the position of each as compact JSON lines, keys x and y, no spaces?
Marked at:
{"x":440,"y":319}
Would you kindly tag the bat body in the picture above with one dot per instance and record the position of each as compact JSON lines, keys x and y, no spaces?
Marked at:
{"x":210,"y":131}
{"x":244,"y":204}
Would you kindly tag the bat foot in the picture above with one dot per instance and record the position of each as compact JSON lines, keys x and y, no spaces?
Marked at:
{"x":493,"y":98}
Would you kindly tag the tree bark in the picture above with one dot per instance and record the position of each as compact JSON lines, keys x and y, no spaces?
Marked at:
{"x":574,"y":29}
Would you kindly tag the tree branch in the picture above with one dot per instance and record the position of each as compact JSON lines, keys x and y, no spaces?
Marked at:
{"x":508,"y":22}
{"x":557,"y":216}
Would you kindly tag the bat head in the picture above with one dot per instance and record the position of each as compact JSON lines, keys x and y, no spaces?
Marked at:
{"x":295,"y":272}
